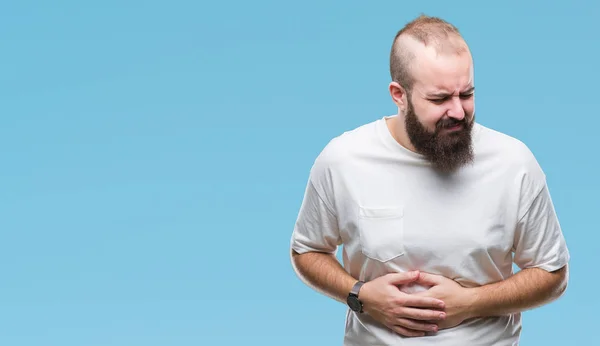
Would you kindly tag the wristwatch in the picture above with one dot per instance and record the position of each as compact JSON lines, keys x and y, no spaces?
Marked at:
{"x":353,"y":302}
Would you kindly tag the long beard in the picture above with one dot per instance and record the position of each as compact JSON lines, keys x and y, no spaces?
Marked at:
{"x":447,"y":151}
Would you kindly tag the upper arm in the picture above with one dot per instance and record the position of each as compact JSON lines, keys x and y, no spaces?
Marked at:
{"x":539,"y":241}
{"x":316,"y":228}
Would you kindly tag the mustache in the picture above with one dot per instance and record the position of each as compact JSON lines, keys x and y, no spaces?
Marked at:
{"x":450,"y":122}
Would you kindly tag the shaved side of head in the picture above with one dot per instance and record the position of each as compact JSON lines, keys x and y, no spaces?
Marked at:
{"x":426,"y":31}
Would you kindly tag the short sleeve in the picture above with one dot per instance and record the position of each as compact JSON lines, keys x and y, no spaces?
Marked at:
{"x":316,"y":227}
{"x":539,"y":241}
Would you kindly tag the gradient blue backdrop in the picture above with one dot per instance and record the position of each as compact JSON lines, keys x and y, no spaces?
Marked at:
{"x":154,"y":156}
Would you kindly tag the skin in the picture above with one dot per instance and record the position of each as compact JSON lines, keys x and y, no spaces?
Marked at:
{"x":444,"y":305}
{"x":406,"y":314}
{"x":528,"y":289}
{"x":443,"y":88}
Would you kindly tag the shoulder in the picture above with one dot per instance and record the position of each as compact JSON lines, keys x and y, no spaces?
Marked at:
{"x":514,"y":159}
{"x":340,"y":153}
{"x":509,"y":150}
{"x":345,"y":147}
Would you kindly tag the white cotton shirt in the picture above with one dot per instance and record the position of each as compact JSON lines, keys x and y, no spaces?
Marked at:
{"x":393,"y":213}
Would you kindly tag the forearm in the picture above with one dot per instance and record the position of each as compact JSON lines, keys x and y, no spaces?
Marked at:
{"x":324,"y":273}
{"x":525,"y":290}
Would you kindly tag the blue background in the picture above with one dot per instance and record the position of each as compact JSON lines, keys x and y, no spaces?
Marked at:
{"x":154,"y":156}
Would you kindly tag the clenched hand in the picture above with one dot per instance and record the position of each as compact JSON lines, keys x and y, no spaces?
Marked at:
{"x":458,"y":300}
{"x":406,"y":314}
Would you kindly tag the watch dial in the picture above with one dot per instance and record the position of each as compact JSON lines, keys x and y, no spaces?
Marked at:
{"x":354,"y":304}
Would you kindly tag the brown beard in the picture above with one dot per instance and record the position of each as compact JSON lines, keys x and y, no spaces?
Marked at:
{"x":446,"y":151}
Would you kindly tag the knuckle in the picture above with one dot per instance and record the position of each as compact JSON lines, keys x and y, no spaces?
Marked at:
{"x":406,"y":332}
{"x":418,"y":326}
{"x":411,"y":325}
{"x":429,"y":301}
{"x":399,"y":312}
{"x":399,"y":301}
{"x":434,"y":315}
{"x":421,"y":326}
{"x":403,"y":322}
{"x":398,"y":330}
{"x":424,"y":315}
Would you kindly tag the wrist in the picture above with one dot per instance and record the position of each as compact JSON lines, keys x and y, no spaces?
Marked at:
{"x":353,"y":300}
{"x":364,"y":293}
{"x":473,"y":306}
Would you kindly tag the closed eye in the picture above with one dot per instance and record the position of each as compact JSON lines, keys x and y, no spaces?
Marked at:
{"x":439,"y":101}
{"x":444,"y":99}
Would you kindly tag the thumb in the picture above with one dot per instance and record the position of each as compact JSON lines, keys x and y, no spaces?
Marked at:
{"x":403,"y":278}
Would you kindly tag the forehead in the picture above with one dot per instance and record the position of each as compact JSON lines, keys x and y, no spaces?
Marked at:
{"x":442,"y":72}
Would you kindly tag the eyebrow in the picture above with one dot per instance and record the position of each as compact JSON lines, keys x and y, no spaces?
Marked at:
{"x":444,"y":94}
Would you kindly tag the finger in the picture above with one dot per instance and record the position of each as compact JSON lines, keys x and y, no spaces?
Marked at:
{"x":417,"y":301}
{"x":429,"y":279}
{"x":422,"y":315}
{"x":407,"y":332}
{"x":402,"y":278}
{"x":417,"y":325}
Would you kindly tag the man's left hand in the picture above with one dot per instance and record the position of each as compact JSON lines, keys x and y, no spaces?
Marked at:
{"x":458,"y":300}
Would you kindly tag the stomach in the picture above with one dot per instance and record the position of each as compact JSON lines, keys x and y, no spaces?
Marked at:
{"x":362,"y":330}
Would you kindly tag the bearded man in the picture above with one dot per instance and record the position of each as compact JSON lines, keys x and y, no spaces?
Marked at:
{"x":432,"y":209}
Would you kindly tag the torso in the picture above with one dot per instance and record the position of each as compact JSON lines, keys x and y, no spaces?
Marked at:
{"x":395,"y":214}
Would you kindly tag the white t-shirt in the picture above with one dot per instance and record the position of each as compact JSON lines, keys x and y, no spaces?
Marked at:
{"x":393,"y":213}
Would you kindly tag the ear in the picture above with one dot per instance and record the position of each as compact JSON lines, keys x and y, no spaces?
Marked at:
{"x":399,"y":96}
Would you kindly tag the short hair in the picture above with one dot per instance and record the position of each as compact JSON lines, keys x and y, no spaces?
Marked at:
{"x":427,"y":30}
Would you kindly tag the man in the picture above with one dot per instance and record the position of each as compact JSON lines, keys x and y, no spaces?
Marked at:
{"x":432,"y":210}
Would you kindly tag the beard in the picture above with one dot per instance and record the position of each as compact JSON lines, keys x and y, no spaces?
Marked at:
{"x":446,"y":151}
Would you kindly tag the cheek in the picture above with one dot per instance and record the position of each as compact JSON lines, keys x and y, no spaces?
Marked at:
{"x":468,"y":106}
{"x":432,"y":115}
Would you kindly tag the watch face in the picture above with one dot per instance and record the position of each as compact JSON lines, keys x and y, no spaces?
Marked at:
{"x":354,"y":303}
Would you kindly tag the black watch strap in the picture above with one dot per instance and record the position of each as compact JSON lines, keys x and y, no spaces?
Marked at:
{"x":353,"y":302}
{"x":356,"y":288}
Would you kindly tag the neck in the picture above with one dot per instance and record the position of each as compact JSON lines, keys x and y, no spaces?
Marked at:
{"x":398,"y":130}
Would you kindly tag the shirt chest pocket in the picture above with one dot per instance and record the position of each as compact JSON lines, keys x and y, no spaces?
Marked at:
{"x":381,"y":232}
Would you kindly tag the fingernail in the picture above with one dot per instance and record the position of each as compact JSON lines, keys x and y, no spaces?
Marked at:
{"x":442,"y":315}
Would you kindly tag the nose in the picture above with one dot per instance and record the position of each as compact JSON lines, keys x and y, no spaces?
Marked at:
{"x":455,"y":109}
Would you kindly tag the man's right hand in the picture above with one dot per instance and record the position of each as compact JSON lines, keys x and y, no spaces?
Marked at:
{"x":406,"y":314}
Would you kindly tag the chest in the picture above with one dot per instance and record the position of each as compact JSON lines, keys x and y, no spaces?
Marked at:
{"x":427,"y":222}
